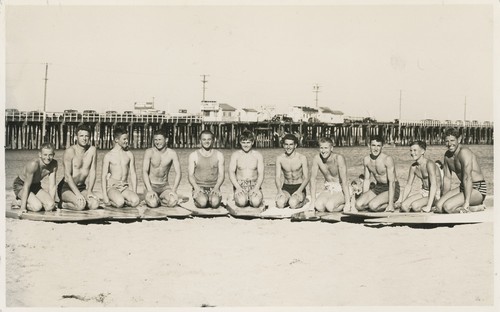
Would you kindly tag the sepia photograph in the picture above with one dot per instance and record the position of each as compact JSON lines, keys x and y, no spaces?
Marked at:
{"x":249,"y":154}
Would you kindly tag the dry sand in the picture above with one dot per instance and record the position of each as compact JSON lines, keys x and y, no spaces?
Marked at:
{"x":232,"y":262}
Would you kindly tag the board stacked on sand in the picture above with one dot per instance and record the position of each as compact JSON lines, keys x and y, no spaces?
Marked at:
{"x":486,"y":215}
{"x":173,"y":212}
{"x":59,"y":215}
{"x":244,"y":212}
{"x":273,"y":212}
{"x":131,"y":213}
{"x":204,"y":212}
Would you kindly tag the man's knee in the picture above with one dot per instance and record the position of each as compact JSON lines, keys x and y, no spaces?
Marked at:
{"x":405,"y":206}
{"x":201,"y":200}
{"x":151,"y":200}
{"x":373,"y":206}
{"x":215,"y":200}
{"x":134,"y":201}
{"x":256,"y":199}
{"x":93,"y":203}
{"x":241,"y":199}
{"x":118,"y":202}
{"x":282,"y":200}
{"x":35,"y":206}
{"x":448,"y":207}
{"x":295,"y":201}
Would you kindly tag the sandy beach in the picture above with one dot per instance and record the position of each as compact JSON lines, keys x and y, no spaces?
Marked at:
{"x":226,"y":262}
{"x":232,"y":262}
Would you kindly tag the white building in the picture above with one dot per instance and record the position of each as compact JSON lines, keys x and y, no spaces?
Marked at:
{"x":248,"y":114}
{"x":213,"y":111}
{"x":302,"y":113}
{"x":328,"y":115}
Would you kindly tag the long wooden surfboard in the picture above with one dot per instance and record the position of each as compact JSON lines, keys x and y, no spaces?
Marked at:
{"x":59,"y":215}
{"x":244,"y":212}
{"x":173,"y":212}
{"x":204,"y":212}
{"x":439,"y":218}
{"x":273,"y":212}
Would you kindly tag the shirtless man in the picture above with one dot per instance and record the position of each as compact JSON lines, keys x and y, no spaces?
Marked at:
{"x":336,"y":187}
{"x":427,"y":171}
{"x":155,"y":169}
{"x":246,"y":172}
{"x":79,"y":162}
{"x":206,"y":172}
{"x":119,"y":163}
{"x":386,"y":190}
{"x":28,"y":185}
{"x":463,"y":162}
{"x":292,"y":190}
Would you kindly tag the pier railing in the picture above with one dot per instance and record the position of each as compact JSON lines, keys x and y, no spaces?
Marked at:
{"x":24,"y":130}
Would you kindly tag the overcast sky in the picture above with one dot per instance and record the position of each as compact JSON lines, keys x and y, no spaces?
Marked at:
{"x":361,"y":56}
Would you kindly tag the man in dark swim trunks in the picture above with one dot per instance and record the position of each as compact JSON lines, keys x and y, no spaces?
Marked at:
{"x":292,"y":191}
{"x":381,"y":167}
{"x":79,"y":162}
{"x":28,"y":184}
{"x":469,"y":196}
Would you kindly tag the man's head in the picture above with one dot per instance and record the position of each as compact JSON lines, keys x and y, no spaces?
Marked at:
{"x":206,"y":139}
{"x":121,"y":137}
{"x":247,"y":139}
{"x":46,"y":152}
{"x":452,"y":139}
{"x":159,"y":139}
{"x":376,"y":144}
{"x":417,"y":149}
{"x":290,"y":142}
{"x":83,"y":135}
{"x":325,"y":147}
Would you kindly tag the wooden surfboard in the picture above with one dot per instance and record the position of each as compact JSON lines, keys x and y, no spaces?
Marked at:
{"x":59,"y":215}
{"x":438,"y":218}
{"x":273,"y":212}
{"x":204,"y":212}
{"x":332,"y":217}
{"x":243,"y":212}
{"x":173,"y":212}
{"x":131,"y":213}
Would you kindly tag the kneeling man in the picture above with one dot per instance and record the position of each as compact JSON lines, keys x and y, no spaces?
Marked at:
{"x":246,"y":172}
{"x":155,"y":169}
{"x":381,"y":167}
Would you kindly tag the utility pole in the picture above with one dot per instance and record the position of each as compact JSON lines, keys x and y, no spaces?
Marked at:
{"x":44,"y":125}
{"x":465,"y":110}
{"x":400,"y":96}
{"x":204,"y":81}
{"x":316,"y":90}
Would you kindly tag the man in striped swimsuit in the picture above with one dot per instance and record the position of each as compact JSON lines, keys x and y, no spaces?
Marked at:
{"x":469,"y":196}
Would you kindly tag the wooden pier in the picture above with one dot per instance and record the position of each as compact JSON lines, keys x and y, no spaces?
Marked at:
{"x":24,"y":131}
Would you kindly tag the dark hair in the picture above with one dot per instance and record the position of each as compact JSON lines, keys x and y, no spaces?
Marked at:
{"x":452,"y":131}
{"x":290,"y":136}
{"x":159,"y":132}
{"x":325,"y":140}
{"x":420,"y":143}
{"x":82,"y":127}
{"x":119,"y":131}
{"x":206,"y":131}
{"x":247,"y":135}
{"x":439,"y":164}
{"x":377,"y":138}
